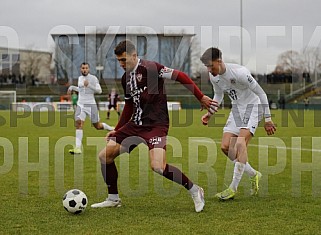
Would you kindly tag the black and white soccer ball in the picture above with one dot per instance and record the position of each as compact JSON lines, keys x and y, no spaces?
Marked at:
{"x":75,"y":201}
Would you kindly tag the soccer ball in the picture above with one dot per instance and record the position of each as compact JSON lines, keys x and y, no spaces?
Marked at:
{"x":75,"y":201}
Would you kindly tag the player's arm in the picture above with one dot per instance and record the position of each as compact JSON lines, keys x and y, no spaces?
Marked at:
{"x":72,"y":88}
{"x":81,"y":81}
{"x":257,"y":89}
{"x":95,"y":87}
{"x":181,"y":77}
{"x":218,"y":97}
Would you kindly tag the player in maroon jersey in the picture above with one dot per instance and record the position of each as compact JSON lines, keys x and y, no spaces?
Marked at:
{"x":113,"y":99}
{"x":145,"y":120}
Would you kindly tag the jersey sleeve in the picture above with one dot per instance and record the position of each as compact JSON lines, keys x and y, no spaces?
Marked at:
{"x":95,"y":87}
{"x":218,"y":94}
{"x":247,"y":79}
{"x":181,"y":77}
{"x":81,"y":82}
{"x":73,"y":88}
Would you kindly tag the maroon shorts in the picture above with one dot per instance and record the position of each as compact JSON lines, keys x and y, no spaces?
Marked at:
{"x":130,"y":135}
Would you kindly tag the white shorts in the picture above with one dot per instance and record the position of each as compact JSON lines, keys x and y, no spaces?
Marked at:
{"x":243,"y":119}
{"x":89,"y":110}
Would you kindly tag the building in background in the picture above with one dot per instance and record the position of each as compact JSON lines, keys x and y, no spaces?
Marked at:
{"x":25,"y":66}
{"x":71,"y":50}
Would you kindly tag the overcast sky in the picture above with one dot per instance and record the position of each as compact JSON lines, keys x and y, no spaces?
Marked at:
{"x":270,"y":27}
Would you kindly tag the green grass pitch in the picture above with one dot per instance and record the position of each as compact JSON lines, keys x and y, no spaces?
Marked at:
{"x":36,"y":170}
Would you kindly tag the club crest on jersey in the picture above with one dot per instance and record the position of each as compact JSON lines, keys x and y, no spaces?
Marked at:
{"x":139,"y":77}
{"x":167,"y":70}
{"x":233,"y":81}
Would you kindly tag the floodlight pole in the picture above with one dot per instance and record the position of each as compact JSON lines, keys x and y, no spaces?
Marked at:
{"x":241,"y":30}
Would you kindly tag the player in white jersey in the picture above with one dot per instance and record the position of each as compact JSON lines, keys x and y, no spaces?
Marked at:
{"x":88,"y":86}
{"x":249,"y":105}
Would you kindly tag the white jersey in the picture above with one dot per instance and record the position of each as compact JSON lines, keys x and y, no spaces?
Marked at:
{"x":240,"y":86}
{"x":86,"y":94}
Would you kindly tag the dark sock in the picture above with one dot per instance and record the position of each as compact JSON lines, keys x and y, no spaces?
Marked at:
{"x":110,"y":174}
{"x":174,"y":174}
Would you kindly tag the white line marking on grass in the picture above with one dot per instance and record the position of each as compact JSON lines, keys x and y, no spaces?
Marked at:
{"x":256,"y":145}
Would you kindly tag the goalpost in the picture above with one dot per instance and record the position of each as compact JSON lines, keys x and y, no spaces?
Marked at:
{"x":7,"y":99}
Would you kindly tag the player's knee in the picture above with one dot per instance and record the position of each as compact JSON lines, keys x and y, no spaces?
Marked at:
{"x":107,"y":156}
{"x":105,"y":159}
{"x":158,"y":169}
{"x":240,"y":146}
{"x":225,"y":149}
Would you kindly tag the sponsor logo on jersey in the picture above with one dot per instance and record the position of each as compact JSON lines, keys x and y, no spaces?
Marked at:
{"x":155,"y":140}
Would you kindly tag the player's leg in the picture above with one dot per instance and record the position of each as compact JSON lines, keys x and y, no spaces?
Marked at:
{"x":228,"y":145}
{"x":253,"y":123}
{"x":228,"y":148}
{"x":159,"y":165}
{"x":103,"y":126}
{"x":95,"y":120}
{"x":108,"y":113}
{"x":108,"y":110}
{"x":117,"y":110}
{"x":241,"y":154}
{"x":110,"y":174}
{"x":80,"y":117}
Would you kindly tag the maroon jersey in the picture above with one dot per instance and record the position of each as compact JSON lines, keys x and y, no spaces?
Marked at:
{"x":145,"y":86}
{"x":113,"y":98}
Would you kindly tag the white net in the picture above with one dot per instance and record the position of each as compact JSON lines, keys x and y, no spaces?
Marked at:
{"x":7,"y":98}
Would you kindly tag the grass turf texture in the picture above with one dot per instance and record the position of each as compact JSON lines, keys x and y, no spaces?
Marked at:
{"x":31,"y":203}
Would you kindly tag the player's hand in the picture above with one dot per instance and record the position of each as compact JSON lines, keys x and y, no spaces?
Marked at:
{"x":205,"y":118}
{"x":269,"y":127}
{"x":209,"y":104}
{"x":86,"y":83}
{"x":108,"y":134}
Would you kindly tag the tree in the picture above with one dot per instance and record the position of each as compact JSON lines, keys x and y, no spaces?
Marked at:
{"x":308,"y":61}
{"x":290,"y":62}
{"x":312,"y":59}
{"x":34,"y":63}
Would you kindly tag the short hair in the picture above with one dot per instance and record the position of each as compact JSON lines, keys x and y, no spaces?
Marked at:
{"x":85,"y":63}
{"x":125,"y":46}
{"x":211,"y":54}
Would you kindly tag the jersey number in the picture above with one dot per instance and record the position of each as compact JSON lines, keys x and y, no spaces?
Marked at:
{"x":232,"y":94}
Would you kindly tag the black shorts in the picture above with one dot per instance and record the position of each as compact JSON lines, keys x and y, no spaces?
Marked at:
{"x":112,"y":106}
{"x":130,"y":135}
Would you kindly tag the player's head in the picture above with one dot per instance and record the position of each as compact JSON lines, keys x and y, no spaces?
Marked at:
{"x":84,"y":68}
{"x":212,"y":59}
{"x":126,"y":55}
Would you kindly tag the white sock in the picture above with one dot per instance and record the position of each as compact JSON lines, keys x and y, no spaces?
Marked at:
{"x":107,"y":127}
{"x":250,"y":171}
{"x":113,"y":197}
{"x":79,"y":134}
{"x":237,"y":176}
{"x":193,"y":189}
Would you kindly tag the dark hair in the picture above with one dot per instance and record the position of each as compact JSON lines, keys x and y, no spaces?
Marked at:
{"x":124,"y":46}
{"x":211,"y":54}
{"x":84,"y":63}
